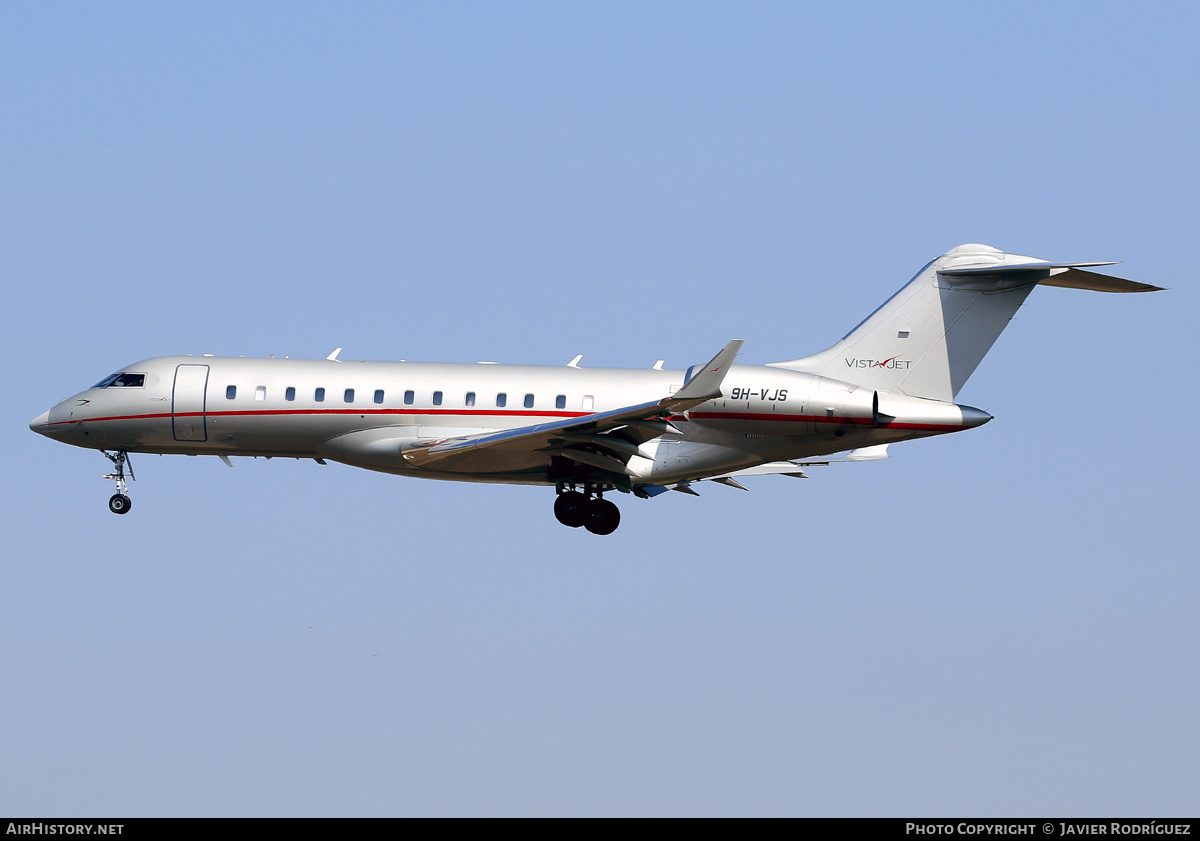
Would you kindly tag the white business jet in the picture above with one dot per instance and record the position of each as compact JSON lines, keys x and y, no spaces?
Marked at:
{"x":585,"y":431}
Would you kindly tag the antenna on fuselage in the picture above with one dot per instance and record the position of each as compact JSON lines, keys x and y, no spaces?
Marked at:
{"x":333,"y":356}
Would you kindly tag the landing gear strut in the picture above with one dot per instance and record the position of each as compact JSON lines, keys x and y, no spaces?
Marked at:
{"x":596,"y":514}
{"x":119,"y":502}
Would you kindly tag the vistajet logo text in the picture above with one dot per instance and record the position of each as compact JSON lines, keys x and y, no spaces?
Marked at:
{"x":893,"y":364}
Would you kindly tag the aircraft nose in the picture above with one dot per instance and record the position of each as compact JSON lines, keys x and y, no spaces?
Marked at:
{"x":41,"y":423}
{"x":973,"y":417}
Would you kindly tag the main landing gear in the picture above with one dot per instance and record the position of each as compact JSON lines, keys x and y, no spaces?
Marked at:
{"x":594,"y":513}
{"x":119,"y":502}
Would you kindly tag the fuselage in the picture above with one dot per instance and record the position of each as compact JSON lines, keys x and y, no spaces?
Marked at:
{"x":587,"y":431}
{"x":343,"y":410}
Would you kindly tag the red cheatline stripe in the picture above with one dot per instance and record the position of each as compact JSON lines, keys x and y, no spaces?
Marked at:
{"x":746,"y":416}
{"x":263,"y":412}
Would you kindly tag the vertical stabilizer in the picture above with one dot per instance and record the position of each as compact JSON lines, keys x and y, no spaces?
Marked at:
{"x":928,"y":338}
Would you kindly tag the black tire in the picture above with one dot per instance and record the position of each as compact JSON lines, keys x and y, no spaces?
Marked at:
{"x":602,"y":517}
{"x":570,"y":508}
{"x":119,"y":504}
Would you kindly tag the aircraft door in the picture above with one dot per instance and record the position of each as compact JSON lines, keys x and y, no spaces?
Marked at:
{"x":187,"y":403}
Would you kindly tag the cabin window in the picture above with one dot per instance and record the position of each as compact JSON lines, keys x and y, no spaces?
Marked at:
{"x":560,"y":402}
{"x":230,"y":392}
{"x":589,"y":402}
{"x":528,"y":401}
{"x":470,"y":398}
{"x":501,"y":400}
{"x":348,"y":396}
{"x":319,"y":395}
{"x":290,"y":394}
{"x":260,"y":394}
{"x":408,"y":398}
{"x":379,"y":395}
{"x":437,"y":398}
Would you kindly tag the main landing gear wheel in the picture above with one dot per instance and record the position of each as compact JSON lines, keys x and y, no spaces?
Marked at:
{"x":601,"y":516}
{"x":569,"y":508}
{"x":596,"y":514}
{"x":119,"y":504}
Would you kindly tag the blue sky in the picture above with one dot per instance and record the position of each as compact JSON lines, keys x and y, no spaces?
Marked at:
{"x":995,"y":623}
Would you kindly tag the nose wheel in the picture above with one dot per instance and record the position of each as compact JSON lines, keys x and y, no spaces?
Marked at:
{"x":119,"y":502}
{"x":596,"y":514}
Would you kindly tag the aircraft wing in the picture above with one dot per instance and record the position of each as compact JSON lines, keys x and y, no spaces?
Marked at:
{"x":584,"y":439}
{"x":794,"y":468}
{"x":861,"y":454}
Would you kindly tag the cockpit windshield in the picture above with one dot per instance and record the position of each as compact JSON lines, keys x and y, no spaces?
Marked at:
{"x":122,"y":380}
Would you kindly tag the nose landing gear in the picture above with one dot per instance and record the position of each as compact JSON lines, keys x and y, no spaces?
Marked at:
{"x":596,"y":514}
{"x":119,"y":502}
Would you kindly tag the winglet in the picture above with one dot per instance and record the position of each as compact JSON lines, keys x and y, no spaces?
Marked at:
{"x":333,"y":357}
{"x":706,"y":383}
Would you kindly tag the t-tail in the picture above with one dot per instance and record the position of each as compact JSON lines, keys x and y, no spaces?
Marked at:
{"x":928,"y":338}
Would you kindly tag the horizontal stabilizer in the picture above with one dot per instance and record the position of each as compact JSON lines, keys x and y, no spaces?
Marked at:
{"x":1078,"y":279}
{"x":1015,"y":268}
{"x":1068,"y":275}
